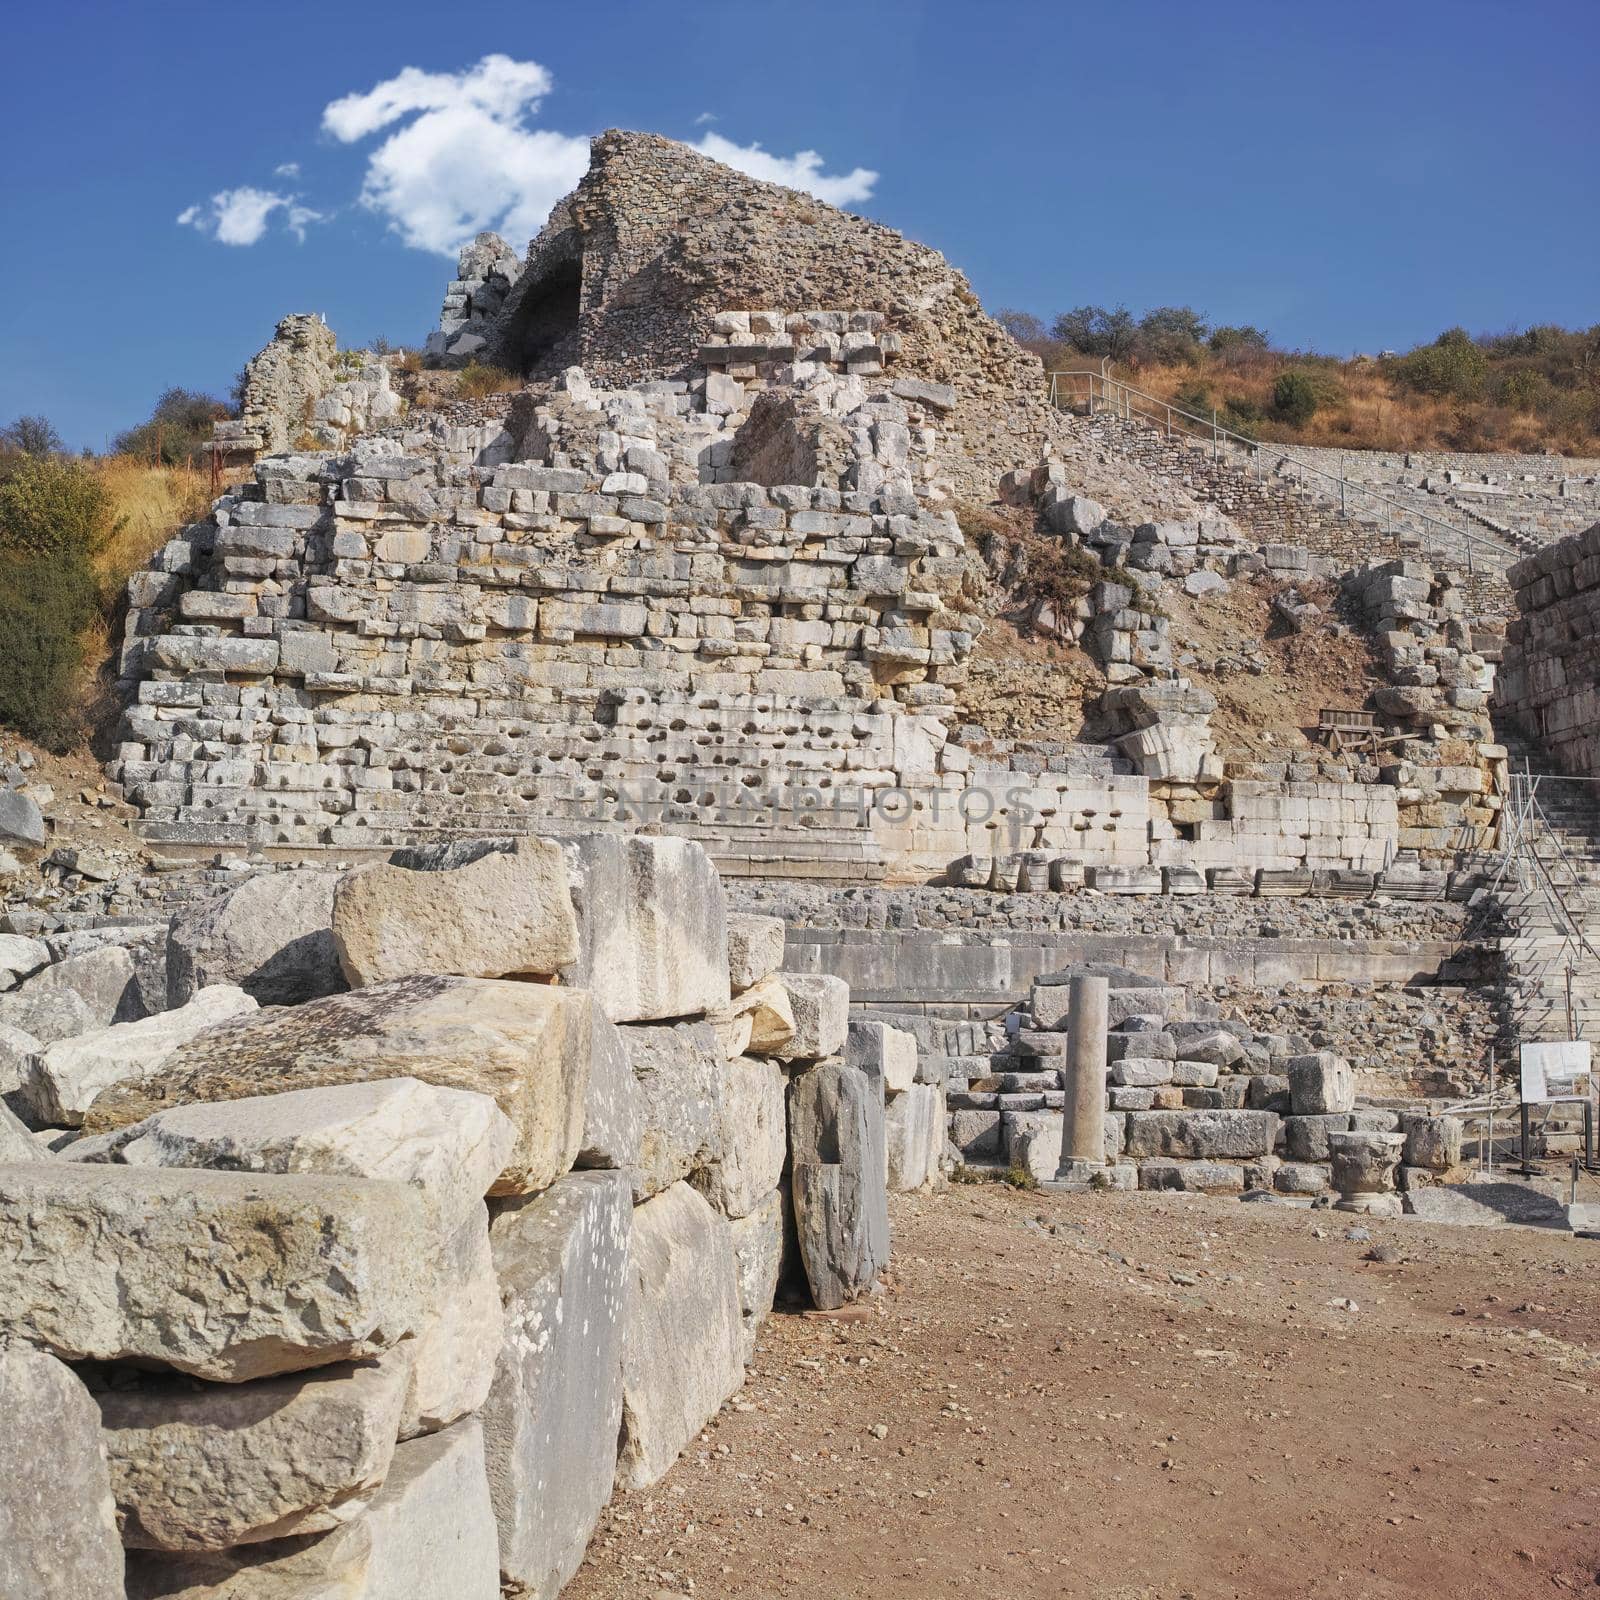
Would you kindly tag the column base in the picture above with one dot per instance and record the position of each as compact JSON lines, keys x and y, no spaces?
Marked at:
{"x":1073,"y":1176}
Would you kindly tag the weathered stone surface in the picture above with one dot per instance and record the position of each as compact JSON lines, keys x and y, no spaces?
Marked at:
{"x":1487,"y":1205}
{"x":752,"y":1136}
{"x":296,"y":1272}
{"x":976,"y":1134}
{"x":683,"y":1349}
{"x":913,"y":1131}
{"x":1432,"y":1142}
{"x":839,"y":1178}
{"x":46,"y":1014}
{"x":506,"y":914}
{"x":16,"y":1143}
{"x":653,"y":940}
{"x":1321,"y":1084}
{"x":1306,"y":1138}
{"x":1364,"y":1163}
{"x":613,"y":1107}
{"x":755,"y":949}
{"x":757,"y":1255}
{"x":448,"y":1144}
{"x":1201,"y":1135}
{"x":67,"y":1077}
{"x":429,"y":1533}
{"x":272,"y":937}
{"x":765,"y":1010}
{"x":16,"y":1049}
{"x":22,"y":828}
{"x":103,"y":979}
{"x":454,"y":1351}
{"x":204,"y":1467}
{"x":552,"y":1416}
{"x":525,"y":1045}
{"x":821,"y":1007}
{"x":679,"y":1071}
{"x":1295,"y":1177}
{"x":58,"y":1530}
{"x":1193,"y":1177}
{"x":883,"y":1052}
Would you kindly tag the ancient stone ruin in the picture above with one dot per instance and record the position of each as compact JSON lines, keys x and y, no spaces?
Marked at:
{"x":604,"y":839}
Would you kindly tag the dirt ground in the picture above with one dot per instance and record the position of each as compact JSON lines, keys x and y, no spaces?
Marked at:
{"x":1145,"y":1398}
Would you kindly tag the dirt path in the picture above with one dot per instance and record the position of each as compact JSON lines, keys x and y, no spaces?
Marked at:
{"x":1140,"y":1396}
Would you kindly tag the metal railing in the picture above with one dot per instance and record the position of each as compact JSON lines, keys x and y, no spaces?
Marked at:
{"x":1105,"y":395}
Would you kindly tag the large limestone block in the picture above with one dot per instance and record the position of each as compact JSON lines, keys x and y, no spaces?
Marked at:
{"x":1201,"y":1135}
{"x":753,"y":1136}
{"x":272,"y":937}
{"x":1432,"y":1142}
{"x":507,"y":914}
{"x":553,"y":1413}
{"x":223,"y":1275}
{"x":17,"y":1050}
{"x":679,"y":1074}
{"x":839,"y":1180}
{"x":20,"y":957}
{"x":208,"y":1466}
{"x":22,"y":825}
{"x":58,"y":1527}
{"x":653,"y":927}
{"x":454,"y":1350}
{"x":67,"y":1077}
{"x":613,"y":1106}
{"x":44,"y":1014}
{"x":525,"y":1045}
{"x":16,"y":1143}
{"x":102,"y":978}
{"x":448,"y":1144}
{"x":757,"y":1256}
{"x":883,"y":1052}
{"x":763,"y":1014}
{"x":683,"y":1352}
{"x":821,"y":1006}
{"x":755,"y":949}
{"x":914,"y":1133}
{"x":428,"y":1535}
{"x":1320,"y":1084}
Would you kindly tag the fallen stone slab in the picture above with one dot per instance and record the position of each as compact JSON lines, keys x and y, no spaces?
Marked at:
{"x":821,"y":1007}
{"x":428,"y":1534}
{"x":525,"y":1045}
{"x":757,"y":1256}
{"x":16,"y":1052}
{"x":100,"y":1262}
{"x":678,"y":1070}
{"x":22,"y":827}
{"x":914,"y":1133}
{"x":20,"y":958}
{"x":839,"y":1174}
{"x":683,"y":1349}
{"x":58,"y":1526}
{"x":1201,"y":1135}
{"x":46,"y":1014}
{"x":16,"y":1143}
{"x":652,"y":927}
{"x":449,"y":1144}
{"x":67,"y":1077}
{"x":272,"y":937}
{"x":104,"y":979}
{"x":883,"y":1052}
{"x":553,"y":1413}
{"x":209,"y":1466}
{"x":1487,"y":1205}
{"x":506,"y":914}
{"x":755,"y":949}
{"x":752,"y":1137}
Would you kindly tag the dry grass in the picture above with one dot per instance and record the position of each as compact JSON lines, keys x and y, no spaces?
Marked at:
{"x":475,"y":381}
{"x":149,"y":505}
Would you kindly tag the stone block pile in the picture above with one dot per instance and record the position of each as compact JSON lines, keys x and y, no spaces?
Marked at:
{"x":385,"y":1283}
{"x":1195,"y":1103}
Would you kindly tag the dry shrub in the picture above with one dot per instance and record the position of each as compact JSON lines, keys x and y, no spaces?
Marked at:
{"x":149,"y":505}
{"x":476,"y":381}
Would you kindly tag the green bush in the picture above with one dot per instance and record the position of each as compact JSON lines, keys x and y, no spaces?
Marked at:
{"x":1294,"y":398}
{"x":47,"y":602}
{"x":178,"y":432}
{"x":1453,"y":366}
{"x":53,"y":503}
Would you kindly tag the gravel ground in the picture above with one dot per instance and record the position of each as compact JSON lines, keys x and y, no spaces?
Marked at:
{"x":1142,"y":1396}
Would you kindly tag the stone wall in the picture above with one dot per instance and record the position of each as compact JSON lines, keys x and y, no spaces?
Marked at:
{"x":1550,"y":683}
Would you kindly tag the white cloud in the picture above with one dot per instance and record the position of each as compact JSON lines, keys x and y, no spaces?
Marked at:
{"x":802,"y":170}
{"x":240,"y":216}
{"x":467,"y":160}
{"x":287,"y":169}
{"x":704,"y":118}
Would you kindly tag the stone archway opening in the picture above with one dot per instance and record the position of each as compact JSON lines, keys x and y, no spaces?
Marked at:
{"x":547,"y":314}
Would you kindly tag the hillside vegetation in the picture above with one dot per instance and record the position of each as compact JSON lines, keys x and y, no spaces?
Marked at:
{"x":1533,"y":390}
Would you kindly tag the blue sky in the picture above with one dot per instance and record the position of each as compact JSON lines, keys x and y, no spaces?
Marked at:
{"x":1350,"y":177}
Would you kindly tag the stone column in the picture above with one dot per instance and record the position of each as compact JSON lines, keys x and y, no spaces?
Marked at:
{"x":1083,"y":1112}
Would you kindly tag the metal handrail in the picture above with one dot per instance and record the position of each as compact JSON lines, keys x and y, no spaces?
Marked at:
{"x":1496,"y":555}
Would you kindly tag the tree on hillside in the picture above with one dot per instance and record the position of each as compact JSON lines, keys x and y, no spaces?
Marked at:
{"x":31,"y":436}
{"x":1172,"y":335}
{"x":179,"y":428}
{"x":1095,"y":331}
{"x":1023,"y":326}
